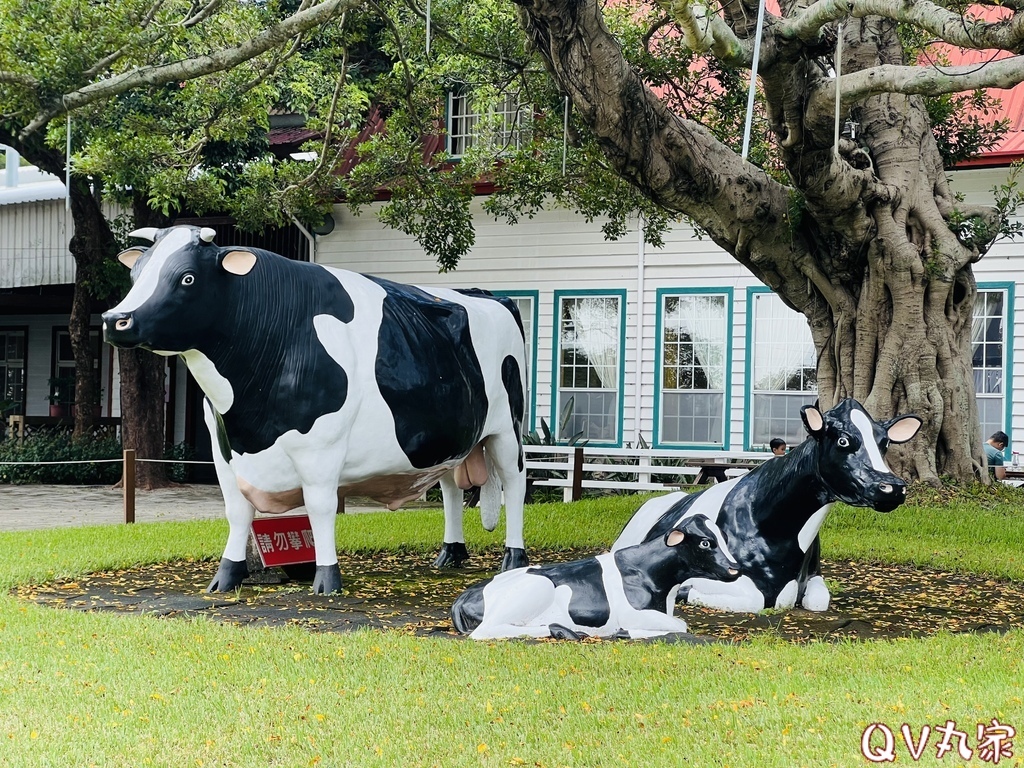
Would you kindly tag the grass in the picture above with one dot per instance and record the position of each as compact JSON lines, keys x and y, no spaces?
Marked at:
{"x":93,"y":689}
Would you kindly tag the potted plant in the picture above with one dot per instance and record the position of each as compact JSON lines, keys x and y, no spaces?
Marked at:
{"x":61,"y":393}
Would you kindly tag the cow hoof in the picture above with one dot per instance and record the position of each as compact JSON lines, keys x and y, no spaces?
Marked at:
{"x":327,"y":580}
{"x":515,"y":557}
{"x":230,"y":576}
{"x":558,"y":632}
{"x":452,"y":555}
{"x":816,"y":595}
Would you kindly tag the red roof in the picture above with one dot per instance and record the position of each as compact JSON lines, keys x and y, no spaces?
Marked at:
{"x":1011,"y":146}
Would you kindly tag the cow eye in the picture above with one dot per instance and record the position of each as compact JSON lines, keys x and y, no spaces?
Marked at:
{"x":843,"y":442}
{"x":188,"y":279}
{"x":705,"y":544}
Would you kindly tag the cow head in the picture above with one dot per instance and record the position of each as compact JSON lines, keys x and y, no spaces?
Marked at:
{"x":850,"y":451}
{"x":178,"y":289}
{"x":701,"y":551}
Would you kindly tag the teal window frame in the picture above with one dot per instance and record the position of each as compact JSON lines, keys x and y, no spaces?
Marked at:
{"x":748,"y":390}
{"x":1008,"y":307}
{"x":530,"y":423}
{"x":662,"y":294}
{"x":556,"y":369}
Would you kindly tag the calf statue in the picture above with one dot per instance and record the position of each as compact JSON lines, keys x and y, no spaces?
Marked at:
{"x":771,"y":515}
{"x":628,"y":592}
{"x":322,"y":383}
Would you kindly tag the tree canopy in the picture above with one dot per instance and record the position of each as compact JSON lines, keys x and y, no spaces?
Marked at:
{"x":614,"y":110}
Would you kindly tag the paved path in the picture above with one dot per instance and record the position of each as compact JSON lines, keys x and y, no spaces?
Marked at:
{"x":28,"y":507}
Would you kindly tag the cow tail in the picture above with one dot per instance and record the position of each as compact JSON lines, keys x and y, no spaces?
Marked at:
{"x":490,"y":496}
{"x":468,"y":609}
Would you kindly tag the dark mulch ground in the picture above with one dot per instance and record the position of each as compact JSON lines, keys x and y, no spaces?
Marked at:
{"x":402,"y":591}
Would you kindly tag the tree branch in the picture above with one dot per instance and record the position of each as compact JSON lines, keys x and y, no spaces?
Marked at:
{"x":950,"y":26}
{"x":16,"y":78}
{"x":704,"y":30}
{"x":921,"y":81}
{"x":189,"y":69}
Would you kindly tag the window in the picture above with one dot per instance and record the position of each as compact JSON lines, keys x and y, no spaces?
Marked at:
{"x":589,"y":365}
{"x":62,"y":381}
{"x":991,"y":349}
{"x":527,"y":304}
{"x":693,"y":354}
{"x":783,"y":370}
{"x":502,"y":125}
{"x":12,"y":372}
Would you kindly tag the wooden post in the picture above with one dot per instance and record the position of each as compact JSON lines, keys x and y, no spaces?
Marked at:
{"x":128,"y":484}
{"x":577,"y":474}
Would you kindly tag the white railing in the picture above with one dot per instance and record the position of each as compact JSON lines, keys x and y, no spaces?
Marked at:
{"x":634,"y":469}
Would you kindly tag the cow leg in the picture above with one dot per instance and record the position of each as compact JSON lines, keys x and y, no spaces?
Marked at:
{"x":453,"y":549}
{"x":506,"y":452}
{"x":232,"y":570}
{"x":815,"y":596}
{"x":322,"y":509}
{"x":520,"y":605}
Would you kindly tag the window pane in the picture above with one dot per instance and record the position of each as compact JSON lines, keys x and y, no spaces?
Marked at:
{"x":589,"y":336}
{"x":987,"y":333}
{"x":502,"y":122}
{"x":593,"y":414}
{"x":693,"y":417}
{"x":784,"y":371}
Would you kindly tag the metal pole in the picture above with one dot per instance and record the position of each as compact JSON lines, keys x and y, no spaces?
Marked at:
{"x":753,"y":80}
{"x":839,"y":100}
{"x":128,"y":485}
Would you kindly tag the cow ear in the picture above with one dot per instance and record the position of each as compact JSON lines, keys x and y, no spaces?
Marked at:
{"x":813,"y":420}
{"x":238,"y":262}
{"x":902,"y":428}
{"x":129,"y":257}
{"x":674,"y":538}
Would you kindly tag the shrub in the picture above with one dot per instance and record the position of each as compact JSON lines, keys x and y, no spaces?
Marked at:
{"x":57,"y":446}
{"x":179,"y":473}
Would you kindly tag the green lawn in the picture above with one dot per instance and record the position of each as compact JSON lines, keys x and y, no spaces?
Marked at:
{"x":105,"y":690}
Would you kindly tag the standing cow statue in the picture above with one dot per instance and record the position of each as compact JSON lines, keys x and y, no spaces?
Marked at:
{"x":630,"y":592}
{"x":322,"y":383}
{"x":771,"y":516}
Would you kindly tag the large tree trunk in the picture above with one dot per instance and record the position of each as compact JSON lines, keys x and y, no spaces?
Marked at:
{"x":90,"y":245}
{"x":859,"y":243}
{"x":143,"y":384}
{"x":143,"y":387}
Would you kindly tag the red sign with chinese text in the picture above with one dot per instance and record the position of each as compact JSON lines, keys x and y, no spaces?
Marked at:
{"x":286,"y":540}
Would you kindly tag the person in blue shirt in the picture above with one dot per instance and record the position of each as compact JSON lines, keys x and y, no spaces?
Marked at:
{"x":994,"y":448}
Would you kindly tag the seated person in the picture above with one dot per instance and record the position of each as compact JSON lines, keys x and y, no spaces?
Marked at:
{"x":778,"y":446}
{"x":994,"y":448}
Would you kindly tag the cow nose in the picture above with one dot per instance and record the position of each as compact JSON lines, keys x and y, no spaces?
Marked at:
{"x":120,"y":321}
{"x":888,"y":488}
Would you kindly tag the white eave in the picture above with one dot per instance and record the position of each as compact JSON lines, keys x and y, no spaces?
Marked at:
{"x":32,"y":193}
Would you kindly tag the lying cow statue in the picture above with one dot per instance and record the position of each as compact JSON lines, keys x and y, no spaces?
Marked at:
{"x":771,"y":515}
{"x":630,"y":592}
{"x":322,"y":383}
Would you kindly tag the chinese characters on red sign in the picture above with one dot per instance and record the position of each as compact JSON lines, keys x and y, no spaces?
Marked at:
{"x":994,"y":742}
{"x":285,"y":540}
